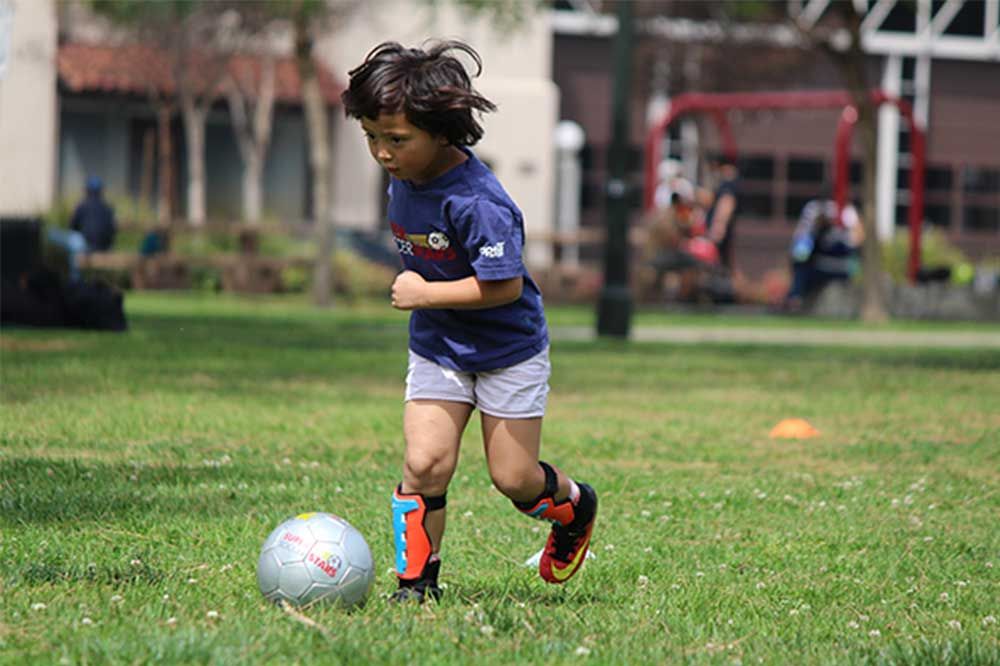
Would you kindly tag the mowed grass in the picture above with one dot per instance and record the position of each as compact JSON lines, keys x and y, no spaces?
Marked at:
{"x":139,"y":474}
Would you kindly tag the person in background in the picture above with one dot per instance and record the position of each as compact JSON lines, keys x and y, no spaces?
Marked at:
{"x":823,"y":250}
{"x":721,"y":214}
{"x":91,"y":229}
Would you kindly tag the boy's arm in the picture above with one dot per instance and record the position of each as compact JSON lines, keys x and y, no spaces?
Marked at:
{"x":411,"y":292}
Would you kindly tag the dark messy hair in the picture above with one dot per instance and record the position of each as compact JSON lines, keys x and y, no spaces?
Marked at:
{"x":429,"y":85}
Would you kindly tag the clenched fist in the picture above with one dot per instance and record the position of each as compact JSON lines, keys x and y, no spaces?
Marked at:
{"x":408,"y":291}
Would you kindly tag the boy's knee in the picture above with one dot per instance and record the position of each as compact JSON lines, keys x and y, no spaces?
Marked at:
{"x":428,"y":472}
{"x":516,"y":483}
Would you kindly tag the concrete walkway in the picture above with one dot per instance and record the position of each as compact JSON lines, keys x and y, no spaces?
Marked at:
{"x":795,"y":336}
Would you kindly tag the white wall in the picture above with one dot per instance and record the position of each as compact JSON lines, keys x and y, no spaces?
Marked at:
{"x":27,"y":106}
{"x":516,"y":76}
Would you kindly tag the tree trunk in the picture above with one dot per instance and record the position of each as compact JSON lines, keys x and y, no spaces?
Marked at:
{"x":253,"y":168}
{"x":194,"y":132}
{"x":253,"y":140}
{"x":319,"y":164}
{"x":164,"y":207}
{"x":874,"y":301}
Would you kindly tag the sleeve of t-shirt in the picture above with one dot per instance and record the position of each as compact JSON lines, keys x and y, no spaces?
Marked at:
{"x":492,"y":237}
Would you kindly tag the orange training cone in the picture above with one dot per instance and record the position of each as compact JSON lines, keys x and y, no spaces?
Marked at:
{"x":793,"y":429}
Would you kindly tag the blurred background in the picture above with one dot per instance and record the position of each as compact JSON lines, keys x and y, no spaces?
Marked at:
{"x":217,"y":134}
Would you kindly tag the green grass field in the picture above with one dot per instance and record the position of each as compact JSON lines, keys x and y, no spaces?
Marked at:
{"x":140,"y":472}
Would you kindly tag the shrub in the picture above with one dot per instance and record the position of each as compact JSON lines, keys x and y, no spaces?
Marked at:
{"x":935,"y":251}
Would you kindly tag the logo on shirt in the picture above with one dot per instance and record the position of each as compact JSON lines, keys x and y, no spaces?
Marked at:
{"x":494,"y":251}
{"x":435,"y":246}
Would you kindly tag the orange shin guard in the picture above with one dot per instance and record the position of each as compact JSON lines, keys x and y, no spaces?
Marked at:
{"x":413,"y":544}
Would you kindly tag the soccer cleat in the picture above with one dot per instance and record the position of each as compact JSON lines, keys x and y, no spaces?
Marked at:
{"x":567,"y":546}
{"x":421,"y":589}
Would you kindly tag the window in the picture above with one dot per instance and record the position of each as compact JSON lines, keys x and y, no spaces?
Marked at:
{"x":757,"y":205}
{"x":801,"y":170}
{"x":982,"y":218}
{"x":756,"y":167}
{"x":794,"y":205}
{"x":976,"y":180}
{"x":856,"y":170}
{"x":938,"y":215}
{"x":937,"y":178}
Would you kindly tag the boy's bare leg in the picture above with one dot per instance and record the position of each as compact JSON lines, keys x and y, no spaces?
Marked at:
{"x":512,"y":447}
{"x":541,"y":491}
{"x":433,"y":431}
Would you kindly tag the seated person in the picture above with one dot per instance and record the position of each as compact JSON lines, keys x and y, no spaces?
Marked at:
{"x":91,"y":229}
{"x":823,"y":250}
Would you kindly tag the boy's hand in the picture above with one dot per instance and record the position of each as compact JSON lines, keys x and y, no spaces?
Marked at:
{"x":408,"y":291}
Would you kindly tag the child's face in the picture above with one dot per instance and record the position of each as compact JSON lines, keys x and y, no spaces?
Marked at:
{"x":406,"y":151}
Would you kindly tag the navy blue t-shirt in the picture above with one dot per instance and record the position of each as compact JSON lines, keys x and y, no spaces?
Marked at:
{"x":463,"y":223}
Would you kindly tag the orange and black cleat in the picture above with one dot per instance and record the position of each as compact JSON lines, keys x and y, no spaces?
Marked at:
{"x":567,"y":546}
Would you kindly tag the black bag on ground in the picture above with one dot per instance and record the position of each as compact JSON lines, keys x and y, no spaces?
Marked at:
{"x":94,"y":305}
{"x":42,"y":299}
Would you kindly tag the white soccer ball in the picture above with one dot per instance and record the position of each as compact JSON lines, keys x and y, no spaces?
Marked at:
{"x":315,"y":558}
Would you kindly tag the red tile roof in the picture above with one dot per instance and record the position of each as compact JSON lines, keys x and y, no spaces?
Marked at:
{"x":133,"y":69}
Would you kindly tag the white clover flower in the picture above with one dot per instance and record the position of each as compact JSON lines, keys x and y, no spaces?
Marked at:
{"x":117,"y":598}
{"x":467,"y":514}
{"x":38,"y":607}
{"x":192,"y":581}
{"x":582,"y":651}
{"x":647,"y":549}
{"x":675,"y":586}
{"x":863,"y":617}
{"x":943,"y":596}
{"x":643,"y":581}
{"x":645,"y":514}
{"x":793,"y":612}
{"x":136,"y":562}
{"x":760,"y":585}
{"x":86,"y":621}
{"x":989,"y":565}
{"x":988,"y":620}
{"x":486,"y":630}
{"x":212,"y":615}
{"x":699,"y":574}
{"x":961,"y":583}
{"x":171,"y":621}
{"x":853,"y":625}
{"x":609,"y":546}
{"x":955,"y":624}
{"x":166,"y":597}
{"x":928,"y":539}
{"x":874,"y":633}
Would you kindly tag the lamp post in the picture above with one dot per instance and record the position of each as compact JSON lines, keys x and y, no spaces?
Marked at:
{"x":614,"y":310}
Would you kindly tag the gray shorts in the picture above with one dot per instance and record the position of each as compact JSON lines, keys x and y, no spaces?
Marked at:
{"x":517,"y":392}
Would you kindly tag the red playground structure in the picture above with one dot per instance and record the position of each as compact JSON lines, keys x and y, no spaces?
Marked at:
{"x":718,"y":104}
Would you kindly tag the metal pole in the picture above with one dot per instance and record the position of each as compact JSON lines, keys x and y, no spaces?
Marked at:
{"x":614,"y":311}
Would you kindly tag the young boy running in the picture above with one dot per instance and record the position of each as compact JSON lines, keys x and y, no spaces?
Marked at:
{"x":478,"y":336}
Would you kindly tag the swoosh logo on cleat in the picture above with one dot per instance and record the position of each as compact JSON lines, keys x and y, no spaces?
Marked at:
{"x":562,"y":574}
